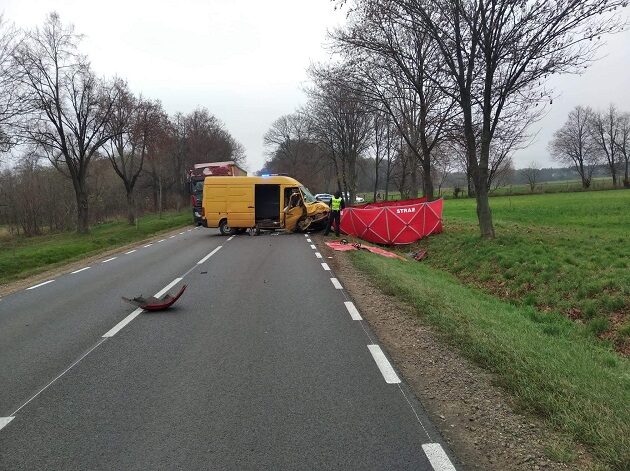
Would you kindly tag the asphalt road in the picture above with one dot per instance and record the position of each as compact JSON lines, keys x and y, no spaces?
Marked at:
{"x":262,"y":364}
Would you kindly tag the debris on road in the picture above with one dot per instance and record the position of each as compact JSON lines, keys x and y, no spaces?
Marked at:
{"x":344,"y":246}
{"x":155,"y":304}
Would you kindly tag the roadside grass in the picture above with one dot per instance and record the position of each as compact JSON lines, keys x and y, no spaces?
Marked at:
{"x":579,"y":386}
{"x":24,"y":256}
{"x":565,"y":254}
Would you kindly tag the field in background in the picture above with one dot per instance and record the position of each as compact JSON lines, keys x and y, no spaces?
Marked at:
{"x":564,"y":186}
{"x":24,"y":256}
{"x":544,"y":305}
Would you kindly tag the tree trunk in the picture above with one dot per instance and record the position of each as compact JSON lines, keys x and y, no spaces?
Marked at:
{"x":427,"y":183}
{"x":626,"y":181}
{"x":82,"y":211}
{"x":413,"y":187}
{"x":131,"y":208}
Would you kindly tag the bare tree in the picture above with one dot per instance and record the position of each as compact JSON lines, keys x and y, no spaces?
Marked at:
{"x":532,"y":175}
{"x":394,"y":63}
{"x":133,"y":124}
{"x":623,"y":144}
{"x":573,"y":144}
{"x":341,"y":122}
{"x":495,"y":56}
{"x":70,"y":105}
{"x":12,"y":103}
{"x":605,"y":129}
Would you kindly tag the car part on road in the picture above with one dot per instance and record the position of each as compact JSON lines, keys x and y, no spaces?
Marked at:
{"x":155,"y":304}
{"x":344,"y":246}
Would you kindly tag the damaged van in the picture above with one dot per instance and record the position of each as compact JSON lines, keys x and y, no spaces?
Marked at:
{"x":261,"y":203}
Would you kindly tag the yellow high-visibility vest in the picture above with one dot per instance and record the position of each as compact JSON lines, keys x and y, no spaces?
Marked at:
{"x":335,"y":204}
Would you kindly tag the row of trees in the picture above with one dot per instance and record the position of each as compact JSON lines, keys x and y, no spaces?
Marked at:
{"x":441,"y":80}
{"x":54,"y":105}
{"x":591,"y":138}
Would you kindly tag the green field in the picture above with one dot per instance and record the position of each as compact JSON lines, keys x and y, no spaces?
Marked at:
{"x":24,"y":256}
{"x":544,"y":305}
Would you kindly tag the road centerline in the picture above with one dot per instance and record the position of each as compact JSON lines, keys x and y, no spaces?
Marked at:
{"x":209,"y":255}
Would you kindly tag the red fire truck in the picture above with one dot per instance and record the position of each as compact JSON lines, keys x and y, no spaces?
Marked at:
{"x":199,"y":172}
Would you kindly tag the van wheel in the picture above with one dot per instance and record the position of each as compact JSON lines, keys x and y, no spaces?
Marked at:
{"x":224,"y":229}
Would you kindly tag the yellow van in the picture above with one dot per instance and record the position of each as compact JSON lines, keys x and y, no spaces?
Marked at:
{"x":267,"y":202}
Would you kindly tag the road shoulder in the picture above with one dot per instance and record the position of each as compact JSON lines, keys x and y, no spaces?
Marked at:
{"x":478,"y":419}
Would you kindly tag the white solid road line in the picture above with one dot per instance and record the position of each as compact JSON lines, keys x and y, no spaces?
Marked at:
{"x":325,"y":266}
{"x":437,"y":457}
{"x":383,"y":364}
{"x":131,"y":251}
{"x":167,"y":287}
{"x":352,"y":309}
{"x":41,"y":284}
{"x":313,"y":247}
{"x":79,"y":271}
{"x":336,"y":283}
{"x":209,"y":255}
{"x":4,"y":421}
{"x":109,"y":259}
{"x":148,"y":245}
{"x":318,"y":255}
{"x":114,"y":330}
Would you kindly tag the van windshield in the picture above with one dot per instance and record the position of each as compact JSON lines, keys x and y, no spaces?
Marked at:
{"x":308,"y":197}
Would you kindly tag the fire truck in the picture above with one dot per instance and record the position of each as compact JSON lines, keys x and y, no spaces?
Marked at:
{"x":199,"y":172}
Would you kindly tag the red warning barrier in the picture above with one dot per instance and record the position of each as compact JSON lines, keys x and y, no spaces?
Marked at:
{"x":393,"y":223}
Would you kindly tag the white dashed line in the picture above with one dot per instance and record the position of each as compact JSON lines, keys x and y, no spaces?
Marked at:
{"x":318,"y":255}
{"x":325,"y":266}
{"x":313,"y":247}
{"x":79,"y":271}
{"x":230,"y":238}
{"x":383,"y":364}
{"x":336,"y":283}
{"x":209,"y":255}
{"x":437,"y":457}
{"x":161,"y":240}
{"x":114,"y":330}
{"x":148,"y":245}
{"x":41,"y":284}
{"x":309,"y":240}
{"x":305,"y":235}
{"x":172,"y":237}
{"x":131,"y":251}
{"x":109,"y":259}
{"x":180,"y":233}
{"x":189,"y":230}
{"x":4,"y":421}
{"x":167,"y":287}
{"x":352,"y":309}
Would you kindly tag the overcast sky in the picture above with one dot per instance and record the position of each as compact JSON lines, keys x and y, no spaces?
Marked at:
{"x":245,"y":60}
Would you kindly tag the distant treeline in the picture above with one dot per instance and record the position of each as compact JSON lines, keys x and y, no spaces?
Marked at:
{"x":79,"y":149}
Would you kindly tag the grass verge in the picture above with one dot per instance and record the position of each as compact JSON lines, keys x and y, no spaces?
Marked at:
{"x":24,"y":256}
{"x":579,"y":386}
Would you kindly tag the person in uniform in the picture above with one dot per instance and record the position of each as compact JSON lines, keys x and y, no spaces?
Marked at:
{"x":336,"y":205}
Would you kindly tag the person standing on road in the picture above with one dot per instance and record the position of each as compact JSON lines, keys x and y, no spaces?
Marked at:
{"x":336,"y":205}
